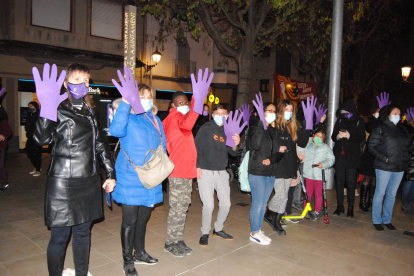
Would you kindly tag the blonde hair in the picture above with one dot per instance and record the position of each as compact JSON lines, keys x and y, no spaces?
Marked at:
{"x":292,"y":125}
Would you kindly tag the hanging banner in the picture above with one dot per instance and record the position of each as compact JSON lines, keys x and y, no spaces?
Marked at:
{"x":293,"y":90}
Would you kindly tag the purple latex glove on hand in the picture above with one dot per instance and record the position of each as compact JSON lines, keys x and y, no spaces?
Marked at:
{"x":232,"y":127}
{"x":200,"y":89}
{"x":383,"y":100}
{"x":48,"y":90}
{"x":320,"y":112}
{"x":129,"y":90}
{"x":245,"y":111}
{"x":410,"y":113}
{"x":2,"y":91}
{"x":260,"y":109}
{"x":308,"y":111}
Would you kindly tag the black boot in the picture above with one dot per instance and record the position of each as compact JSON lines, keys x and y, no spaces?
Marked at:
{"x":350,"y":212}
{"x":340,"y":209}
{"x":277,"y":226}
{"x":55,"y":265}
{"x":363,"y":206}
{"x":270,"y":217}
{"x":371,"y":195}
{"x":127,"y":241}
{"x":81,"y":260}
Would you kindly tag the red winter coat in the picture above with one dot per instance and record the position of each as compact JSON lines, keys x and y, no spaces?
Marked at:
{"x":6,"y":131}
{"x":180,"y":142}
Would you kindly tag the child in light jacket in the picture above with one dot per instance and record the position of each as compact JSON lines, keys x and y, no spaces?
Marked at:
{"x":320,"y":154}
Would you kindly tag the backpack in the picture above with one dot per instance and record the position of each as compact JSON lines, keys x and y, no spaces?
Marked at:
{"x":244,"y":174}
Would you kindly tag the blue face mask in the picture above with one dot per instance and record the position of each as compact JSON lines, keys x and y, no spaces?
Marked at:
{"x":288,"y":115}
{"x":147,"y":104}
{"x":218,"y":119}
{"x":32,"y":110}
{"x":78,"y":91}
{"x":183,"y":109}
{"x":395,"y":119}
{"x":270,"y":118}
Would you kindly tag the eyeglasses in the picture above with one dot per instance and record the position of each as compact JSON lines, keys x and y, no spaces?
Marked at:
{"x":270,"y":111}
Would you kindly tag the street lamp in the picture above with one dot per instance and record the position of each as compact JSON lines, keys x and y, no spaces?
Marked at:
{"x":156,"y":57}
{"x":405,"y":72}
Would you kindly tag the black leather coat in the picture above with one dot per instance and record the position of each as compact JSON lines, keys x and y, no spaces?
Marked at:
{"x":78,"y":143}
{"x":73,"y":188}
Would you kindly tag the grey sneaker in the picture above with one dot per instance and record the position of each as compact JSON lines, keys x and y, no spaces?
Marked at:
{"x":187,"y":250}
{"x":317,"y":215}
{"x":175,"y":250}
{"x":222,"y":234}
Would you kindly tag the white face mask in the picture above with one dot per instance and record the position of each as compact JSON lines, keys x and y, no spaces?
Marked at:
{"x":146,"y":104}
{"x":184,"y":109}
{"x":395,"y":119}
{"x":376,"y":115}
{"x":270,"y":117}
{"x":218,"y":119}
{"x":288,"y":115}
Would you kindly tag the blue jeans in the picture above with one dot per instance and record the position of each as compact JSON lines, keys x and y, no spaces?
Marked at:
{"x":387,"y":184}
{"x":408,"y":193}
{"x":261,"y":188}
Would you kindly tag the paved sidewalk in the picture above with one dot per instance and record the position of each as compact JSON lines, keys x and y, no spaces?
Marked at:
{"x":344,"y":247}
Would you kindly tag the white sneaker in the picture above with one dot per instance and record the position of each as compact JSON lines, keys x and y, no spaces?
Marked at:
{"x":264,"y":237}
{"x":71,"y":272}
{"x":292,"y":220}
{"x":36,"y":173}
{"x":32,"y":172}
{"x":259,"y":239}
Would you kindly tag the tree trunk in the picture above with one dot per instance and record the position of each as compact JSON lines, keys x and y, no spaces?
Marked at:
{"x":245,"y":63}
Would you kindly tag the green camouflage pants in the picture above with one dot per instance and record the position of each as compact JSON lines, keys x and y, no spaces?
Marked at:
{"x":180,"y":199}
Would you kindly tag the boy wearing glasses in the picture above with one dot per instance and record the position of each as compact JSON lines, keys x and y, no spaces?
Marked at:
{"x":211,"y":173}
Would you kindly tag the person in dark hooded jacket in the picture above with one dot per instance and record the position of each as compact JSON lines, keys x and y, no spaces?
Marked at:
{"x":390,"y":144}
{"x":348,"y":133}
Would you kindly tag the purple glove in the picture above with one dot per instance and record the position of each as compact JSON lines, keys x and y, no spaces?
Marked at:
{"x":232,"y":127}
{"x":383,"y":100}
{"x":48,"y":91}
{"x":411,"y":112}
{"x":245,"y":111}
{"x":200,"y":89}
{"x":260,"y":109}
{"x":308,"y":111}
{"x":129,"y":90}
{"x":320,"y":112}
{"x":2,"y":91}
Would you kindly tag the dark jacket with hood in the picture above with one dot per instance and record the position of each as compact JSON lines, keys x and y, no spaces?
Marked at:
{"x":390,"y":144}
{"x":350,"y":148}
{"x":5,"y":129}
{"x":262,"y":145}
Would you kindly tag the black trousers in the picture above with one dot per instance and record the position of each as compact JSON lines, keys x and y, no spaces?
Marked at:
{"x":34,"y":153}
{"x":60,"y":237}
{"x":136,"y":217}
{"x":345,"y":177}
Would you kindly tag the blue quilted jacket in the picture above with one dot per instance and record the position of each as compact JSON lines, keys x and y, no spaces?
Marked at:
{"x":137,"y":135}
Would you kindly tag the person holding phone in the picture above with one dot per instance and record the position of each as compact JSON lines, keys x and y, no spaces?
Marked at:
{"x":348,"y":133}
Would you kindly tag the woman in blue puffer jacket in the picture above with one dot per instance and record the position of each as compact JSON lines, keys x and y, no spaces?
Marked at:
{"x":137,"y":134}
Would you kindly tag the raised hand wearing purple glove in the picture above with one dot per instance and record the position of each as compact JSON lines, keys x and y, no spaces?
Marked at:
{"x":48,"y":90}
{"x":308,"y":111}
{"x":129,"y":90}
{"x":232,"y":127}
{"x":319,"y":112}
{"x":2,"y":91}
{"x":200,"y":89}
{"x":410,"y":113}
{"x":245,"y":111}
{"x":383,"y":100}
{"x":260,"y":110}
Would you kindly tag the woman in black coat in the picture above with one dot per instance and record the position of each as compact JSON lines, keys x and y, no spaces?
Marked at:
{"x":391,"y":145}
{"x":408,"y":184}
{"x":73,"y":197}
{"x":33,"y":151}
{"x":348,"y":133}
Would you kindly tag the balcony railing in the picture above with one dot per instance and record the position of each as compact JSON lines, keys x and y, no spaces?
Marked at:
{"x":183,"y":68}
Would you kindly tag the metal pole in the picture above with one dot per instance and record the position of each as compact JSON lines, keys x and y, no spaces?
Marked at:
{"x":335,"y":77}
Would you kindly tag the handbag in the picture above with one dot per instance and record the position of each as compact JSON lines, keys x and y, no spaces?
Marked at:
{"x":243,"y":173}
{"x":157,"y":168}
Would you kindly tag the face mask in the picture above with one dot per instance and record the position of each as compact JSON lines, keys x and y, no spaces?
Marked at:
{"x":317,"y":140}
{"x":218,"y":120}
{"x":395,"y":119}
{"x":376,"y":115}
{"x":270,"y":118}
{"x":348,"y":115}
{"x":32,"y":109}
{"x":146,"y":104}
{"x":183,"y":109}
{"x":205,"y":113}
{"x":288,"y":115}
{"x":78,"y":91}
